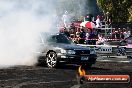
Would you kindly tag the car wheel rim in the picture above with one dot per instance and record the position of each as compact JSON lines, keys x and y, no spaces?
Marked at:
{"x":51,"y":60}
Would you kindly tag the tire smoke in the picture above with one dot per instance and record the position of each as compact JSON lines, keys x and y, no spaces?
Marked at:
{"x":21,"y":21}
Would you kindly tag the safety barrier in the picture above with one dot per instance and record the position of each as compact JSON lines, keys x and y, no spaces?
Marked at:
{"x":111,"y":50}
{"x":96,"y":39}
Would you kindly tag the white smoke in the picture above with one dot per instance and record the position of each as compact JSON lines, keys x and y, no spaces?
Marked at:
{"x":21,"y":22}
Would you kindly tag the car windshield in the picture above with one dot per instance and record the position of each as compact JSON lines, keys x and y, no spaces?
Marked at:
{"x":60,"y":38}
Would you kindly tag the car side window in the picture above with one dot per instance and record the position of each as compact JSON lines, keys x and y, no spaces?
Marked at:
{"x":54,"y":39}
{"x":60,"y":39}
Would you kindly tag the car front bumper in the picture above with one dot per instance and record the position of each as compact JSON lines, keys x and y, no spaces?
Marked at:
{"x":76,"y":59}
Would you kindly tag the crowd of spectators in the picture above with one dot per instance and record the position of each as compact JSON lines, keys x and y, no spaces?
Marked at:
{"x":83,"y":35}
{"x":120,"y":33}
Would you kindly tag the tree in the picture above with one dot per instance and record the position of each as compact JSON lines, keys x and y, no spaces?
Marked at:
{"x":130,"y":14}
{"x":121,"y":10}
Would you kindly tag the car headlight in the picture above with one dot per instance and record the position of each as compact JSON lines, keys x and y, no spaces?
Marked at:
{"x":63,"y":51}
{"x":71,"y":52}
{"x":92,"y":51}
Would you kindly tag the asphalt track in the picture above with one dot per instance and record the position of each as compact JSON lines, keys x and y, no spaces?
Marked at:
{"x":64,"y":76}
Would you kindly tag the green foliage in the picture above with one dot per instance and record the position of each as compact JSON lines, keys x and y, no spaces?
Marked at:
{"x":121,"y":10}
{"x":130,"y":14}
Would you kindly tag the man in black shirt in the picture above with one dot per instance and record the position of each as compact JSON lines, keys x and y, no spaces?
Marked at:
{"x":82,"y":36}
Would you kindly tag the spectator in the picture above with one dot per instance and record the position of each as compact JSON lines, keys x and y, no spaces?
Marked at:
{"x":108,"y":19}
{"x":88,"y":17}
{"x":101,"y":40}
{"x":129,"y":32}
{"x":72,"y":26}
{"x":91,"y":38}
{"x":121,"y":34}
{"x":77,"y":36}
{"x":78,"y":32}
{"x":126,"y":33}
{"x":66,"y":32}
{"x":87,"y":37}
{"x":82,"y":36}
{"x":98,"y":24}
{"x":117,"y":34}
{"x":113,"y":33}
{"x":61,"y":30}
{"x":66,"y":19}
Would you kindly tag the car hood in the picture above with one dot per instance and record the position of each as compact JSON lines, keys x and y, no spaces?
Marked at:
{"x":71,"y":46}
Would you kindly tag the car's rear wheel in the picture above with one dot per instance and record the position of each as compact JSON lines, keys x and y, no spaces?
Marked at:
{"x":51,"y":59}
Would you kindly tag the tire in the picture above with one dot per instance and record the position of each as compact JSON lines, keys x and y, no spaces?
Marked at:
{"x":51,"y":60}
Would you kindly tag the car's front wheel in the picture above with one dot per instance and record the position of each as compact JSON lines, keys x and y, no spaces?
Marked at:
{"x":51,"y":59}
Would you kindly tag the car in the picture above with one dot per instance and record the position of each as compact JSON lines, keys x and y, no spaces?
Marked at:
{"x":127,"y":41}
{"x":58,"y":48}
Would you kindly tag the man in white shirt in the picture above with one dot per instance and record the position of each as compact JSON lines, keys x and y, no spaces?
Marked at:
{"x":98,"y":24}
{"x":126,"y":34}
{"x":66,"y":19}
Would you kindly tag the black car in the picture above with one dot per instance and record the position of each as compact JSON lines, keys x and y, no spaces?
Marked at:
{"x":127,"y":41}
{"x":60,"y":49}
